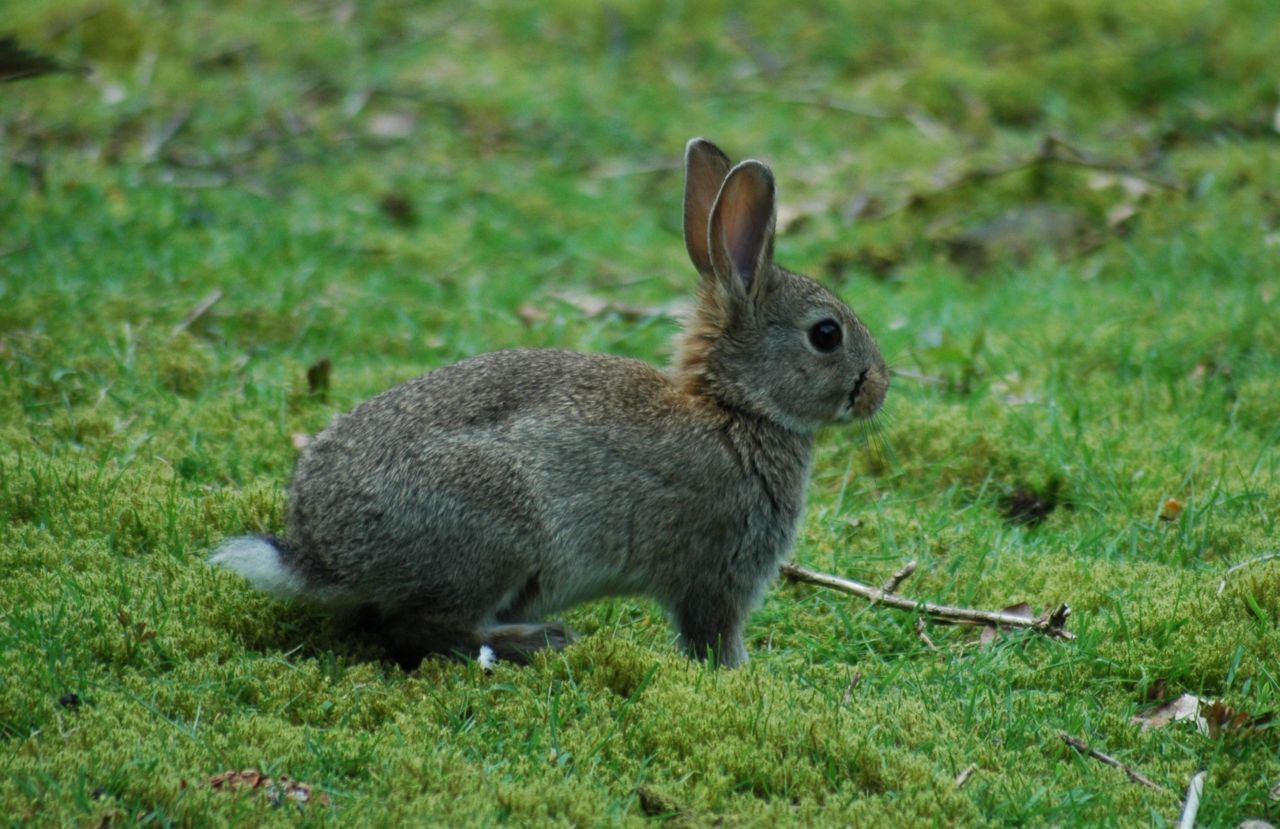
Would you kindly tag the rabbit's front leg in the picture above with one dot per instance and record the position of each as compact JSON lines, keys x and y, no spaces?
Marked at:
{"x":711,"y":625}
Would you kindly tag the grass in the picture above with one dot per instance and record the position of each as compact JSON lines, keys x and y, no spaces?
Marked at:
{"x":395,"y":186}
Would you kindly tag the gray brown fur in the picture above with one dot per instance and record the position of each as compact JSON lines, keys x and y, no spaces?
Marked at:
{"x":473,"y":501}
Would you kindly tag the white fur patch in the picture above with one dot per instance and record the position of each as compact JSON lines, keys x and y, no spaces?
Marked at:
{"x":258,"y":561}
{"x":487,"y":658}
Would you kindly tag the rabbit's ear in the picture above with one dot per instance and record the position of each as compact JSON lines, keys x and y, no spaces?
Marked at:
{"x":705,"y":167}
{"x":741,"y":233}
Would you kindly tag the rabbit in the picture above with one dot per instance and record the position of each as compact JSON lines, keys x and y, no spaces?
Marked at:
{"x":471,"y":502}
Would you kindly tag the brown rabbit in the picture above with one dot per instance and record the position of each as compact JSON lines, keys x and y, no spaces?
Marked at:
{"x":472,"y":501}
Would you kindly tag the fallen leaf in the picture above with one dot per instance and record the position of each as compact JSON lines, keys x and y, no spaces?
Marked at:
{"x":656,"y":804}
{"x":1171,"y":509}
{"x":399,"y":209}
{"x":277,"y":790}
{"x":1021,"y":609}
{"x":318,"y":377}
{"x":18,"y":62}
{"x":1029,"y":507}
{"x":300,"y":440}
{"x":1254,"y":823}
{"x":1119,"y":216}
{"x":391,"y":125}
{"x":862,"y":206}
{"x":854,"y":681}
{"x":990,"y":633}
{"x":530,"y":314}
{"x":1185,"y":707}
{"x":1221,"y":719}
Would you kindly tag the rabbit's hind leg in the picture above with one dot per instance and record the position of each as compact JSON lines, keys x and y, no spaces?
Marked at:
{"x":518,"y":642}
{"x":410,"y":635}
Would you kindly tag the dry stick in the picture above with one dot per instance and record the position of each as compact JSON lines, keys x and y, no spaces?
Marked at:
{"x":922,"y":636}
{"x":1223,"y":584}
{"x":925,"y":125}
{"x":1192,"y":805}
{"x":899,"y":577}
{"x":1134,"y":775}
{"x":156,"y":142}
{"x":1051,"y":624}
{"x":920,"y":377}
{"x":202,"y":308}
{"x":1051,"y":150}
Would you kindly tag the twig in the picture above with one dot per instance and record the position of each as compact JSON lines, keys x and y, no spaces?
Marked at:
{"x":925,"y":125}
{"x":922,"y":636}
{"x":1134,"y":775}
{"x":963,"y":777}
{"x":1050,"y":150}
{"x":1051,"y":624}
{"x":920,"y":377}
{"x":202,"y":308}
{"x":899,"y":577}
{"x":848,"y":689}
{"x":1223,"y":584}
{"x":1192,"y":804}
{"x":164,"y":134}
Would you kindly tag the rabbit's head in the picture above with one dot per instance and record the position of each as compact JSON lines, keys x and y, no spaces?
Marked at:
{"x":764,"y":339}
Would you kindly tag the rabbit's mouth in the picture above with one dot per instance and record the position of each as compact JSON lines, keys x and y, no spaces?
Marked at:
{"x":867,"y":395}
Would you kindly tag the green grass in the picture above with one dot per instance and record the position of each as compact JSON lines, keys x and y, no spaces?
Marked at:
{"x":538,"y":153}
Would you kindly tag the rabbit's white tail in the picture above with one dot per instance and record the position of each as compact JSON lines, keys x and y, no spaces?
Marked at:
{"x":259,"y":560}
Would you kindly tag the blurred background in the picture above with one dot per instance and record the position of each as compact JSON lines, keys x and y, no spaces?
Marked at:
{"x":501,"y":139}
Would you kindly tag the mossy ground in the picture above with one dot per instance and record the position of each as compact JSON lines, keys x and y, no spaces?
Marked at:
{"x":394,"y":186}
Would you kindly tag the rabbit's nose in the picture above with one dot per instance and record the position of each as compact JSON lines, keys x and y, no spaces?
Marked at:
{"x":868,"y":392}
{"x":857,"y":387}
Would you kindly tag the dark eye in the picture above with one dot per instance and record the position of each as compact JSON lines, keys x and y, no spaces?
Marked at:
{"x":826,"y":335}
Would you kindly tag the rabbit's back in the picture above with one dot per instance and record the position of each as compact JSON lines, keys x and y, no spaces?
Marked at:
{"x":544,"y":477}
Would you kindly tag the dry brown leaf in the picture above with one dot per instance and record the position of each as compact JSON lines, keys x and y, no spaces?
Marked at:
{"x":989,"y":632}
{"x":1221,"y":719}
{"x":318,"y":376}
{"x":277,"y":791}
{"x":1021,"y":609}
{"x":530,"y":314}
{"x":17,"y":62}
{"x":399,"y":208}
{"x":1171,"y":510}
{"x":1185,"y":707}
{"x":1120,"y":215}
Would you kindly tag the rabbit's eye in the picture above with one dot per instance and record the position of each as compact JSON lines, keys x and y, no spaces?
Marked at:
{"x":826,"y":335}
